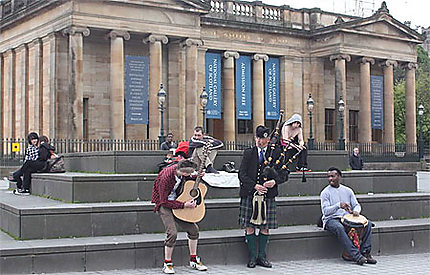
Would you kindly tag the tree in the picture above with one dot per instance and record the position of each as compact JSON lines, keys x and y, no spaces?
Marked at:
{"x":422,"y":88}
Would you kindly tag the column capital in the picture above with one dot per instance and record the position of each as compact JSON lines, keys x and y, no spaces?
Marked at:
{"x":388,"y":63}
{"x":192,"y":42}
{"x":72,"y":30}
{"x":119,"y":33}
{"x":228,"y":54}
{"x":411,"y":66}
{"x":34,"y":42}
{"x":341,"y":56}
{"x":365,"y":59}
{"x":8,"y":53}
{"x":20,"y":48}
{"x":202,"y":49}
{"x":152,"y":38}
{"x":259,"y":56}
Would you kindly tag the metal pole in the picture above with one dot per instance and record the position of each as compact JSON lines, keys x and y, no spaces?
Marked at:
{"x":420,"y":140}
{"x":311,"y":138}
{"x":204,"y":119}
{"x":161,"y":137}
{"x":341,"y":139}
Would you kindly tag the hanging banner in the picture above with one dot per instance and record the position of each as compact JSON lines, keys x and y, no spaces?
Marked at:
{"x":377,"y":101}
{"x":243,"y":88}
{"x":213,"y":85}
{"x":136,"y":89}
{"x":271,"y":91}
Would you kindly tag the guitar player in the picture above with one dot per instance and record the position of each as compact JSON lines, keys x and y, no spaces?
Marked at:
{"x":164,"y":195}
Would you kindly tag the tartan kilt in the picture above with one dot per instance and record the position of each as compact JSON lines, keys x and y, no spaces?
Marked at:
{"x":245,"y":214}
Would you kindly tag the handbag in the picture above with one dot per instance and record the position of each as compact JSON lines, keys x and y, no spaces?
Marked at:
{"x":55,"y":164}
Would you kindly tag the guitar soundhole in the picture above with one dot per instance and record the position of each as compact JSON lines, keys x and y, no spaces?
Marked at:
{"x":193,"y":193}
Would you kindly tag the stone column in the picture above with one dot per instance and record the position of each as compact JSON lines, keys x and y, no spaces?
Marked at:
{"x":340,"y":89}
{"x":364,"y":114}
{"x":192,"y":92}
{"x":76,"y":84}
{"x":229,"y":96}
{"x":411,"y":123}
{"x":21,"y":112}
{"x":258,"y":89}
{"x":117,"y":38}
{"x":201,"y":78}
{"x":34,"y":85}
{"x":8,"y":94}
{"x":388,"y":136}
{"x":1,"y":99}
{"x":155,"y":79}
{"x":317,"y":91}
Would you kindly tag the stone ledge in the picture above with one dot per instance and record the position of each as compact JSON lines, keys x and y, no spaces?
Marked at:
{"x":216,"y":247}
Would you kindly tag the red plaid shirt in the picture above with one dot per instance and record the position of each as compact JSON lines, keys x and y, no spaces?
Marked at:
{"x":163,"y":186}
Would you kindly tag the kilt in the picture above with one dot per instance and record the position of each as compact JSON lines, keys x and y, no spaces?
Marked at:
{"x":245,"y":214}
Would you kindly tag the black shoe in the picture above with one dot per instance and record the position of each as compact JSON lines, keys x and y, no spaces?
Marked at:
{"x":252,"y":263}
{"x":12,"y":179}
{"x":21,"y":192}
{"x":210,"y":169}
{"x":369,"y":259}
{"x":264,"y":263}
{"x":361,"y":260}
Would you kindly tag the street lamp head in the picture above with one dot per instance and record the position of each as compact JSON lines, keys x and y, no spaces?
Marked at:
{"x":162,"y":94}
{"x":204,"y":98}
{"x":420,"y":110}
{"x":341,"y":104}
{"x":310,"y":103}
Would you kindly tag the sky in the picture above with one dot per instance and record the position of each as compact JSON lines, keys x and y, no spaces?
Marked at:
{"x":416,"y":11}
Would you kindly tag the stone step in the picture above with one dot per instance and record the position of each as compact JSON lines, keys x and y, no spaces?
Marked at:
{"x":90,"y":187}
{"x":34,"y":217}
{"x":215,"y":247}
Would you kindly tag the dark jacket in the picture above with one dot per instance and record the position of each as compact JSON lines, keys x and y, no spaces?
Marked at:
{"x":249,"y":169}
{"x":45,"y":151}
{"x":356,"y":162}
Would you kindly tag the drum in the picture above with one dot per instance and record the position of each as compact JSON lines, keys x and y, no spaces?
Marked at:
{"x":355,"y":227}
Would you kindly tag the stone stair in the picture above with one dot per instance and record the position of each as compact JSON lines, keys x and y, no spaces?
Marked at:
{"x":54,"y":235}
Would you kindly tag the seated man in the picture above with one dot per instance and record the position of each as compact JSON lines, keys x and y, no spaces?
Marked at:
{"x":195,"y":150}
{"x":338,"y":200}
{"x":169,"y":143}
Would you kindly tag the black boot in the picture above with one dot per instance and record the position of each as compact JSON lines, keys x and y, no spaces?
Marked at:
{"x":263,"y":240}
{"x":252,"y":247}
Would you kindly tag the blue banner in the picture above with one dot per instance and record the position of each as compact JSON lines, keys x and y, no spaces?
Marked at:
{"x":213,"y":85}
{"x":377,"y":101}
{"x":271,"y":91}
{"x":136,"y":89}
{"x":243,"y":88}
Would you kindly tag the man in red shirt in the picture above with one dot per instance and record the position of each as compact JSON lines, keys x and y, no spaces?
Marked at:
{"x":164,"y":194}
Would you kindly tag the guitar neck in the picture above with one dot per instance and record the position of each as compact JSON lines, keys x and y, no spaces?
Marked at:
{"x":202,"y":165}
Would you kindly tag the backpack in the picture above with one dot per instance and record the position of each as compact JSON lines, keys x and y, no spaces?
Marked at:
{"x":55,"y":164}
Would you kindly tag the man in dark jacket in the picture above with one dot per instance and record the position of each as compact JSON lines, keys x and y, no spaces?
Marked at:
{"x":252,"y":183}
{"x":355,"y":160}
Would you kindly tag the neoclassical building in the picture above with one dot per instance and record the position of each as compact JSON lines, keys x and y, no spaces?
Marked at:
{"x":91,"y":69}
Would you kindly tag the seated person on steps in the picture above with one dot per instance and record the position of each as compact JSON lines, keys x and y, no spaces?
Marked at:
{"x":195,"y":150}
{"x":338,"y":200}
{"x":292,"y":132}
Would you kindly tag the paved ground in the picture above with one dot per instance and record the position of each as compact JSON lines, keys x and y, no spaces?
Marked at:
{"x":413,"y":264}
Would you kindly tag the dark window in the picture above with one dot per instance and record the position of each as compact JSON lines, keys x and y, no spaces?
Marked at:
{"x":329,"y":124}
{"x":377,"y":135}
{"x":244,"y":126}
{"x":353,"y":125}
{"x":85,"y":118}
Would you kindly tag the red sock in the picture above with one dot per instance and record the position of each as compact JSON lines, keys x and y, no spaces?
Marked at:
{"x":193,"y":258}
{"x":168,"y":261}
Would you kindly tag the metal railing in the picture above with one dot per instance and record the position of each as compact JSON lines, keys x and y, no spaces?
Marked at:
{"x":13,"y":150}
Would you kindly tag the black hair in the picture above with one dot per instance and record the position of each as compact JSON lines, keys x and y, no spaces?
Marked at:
{"x":31,"y":136}
{"x":335,"y":169}
{"x":170,"y":134}
{"x":198,"y":129}
{"x":43,"y":139}
{"x":186,"y":163}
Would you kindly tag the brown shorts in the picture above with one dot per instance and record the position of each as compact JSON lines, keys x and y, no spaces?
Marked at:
{"x":170,"y":221}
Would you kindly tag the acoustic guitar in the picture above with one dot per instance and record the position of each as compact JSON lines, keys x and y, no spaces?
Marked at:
{"x":194,"y":190}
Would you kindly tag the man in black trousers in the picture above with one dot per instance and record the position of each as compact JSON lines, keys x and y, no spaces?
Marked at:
{"x":252,"y":183}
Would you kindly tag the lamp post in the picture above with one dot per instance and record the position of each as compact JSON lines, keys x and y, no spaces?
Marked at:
{"x":310,"y":104}
{"x":341,"y":105}
{"x":162,"y":94}
{"x":204,"y":103}
{"x":420,"y":140}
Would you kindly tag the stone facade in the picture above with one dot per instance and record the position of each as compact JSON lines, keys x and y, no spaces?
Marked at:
{"x":62,"y":64}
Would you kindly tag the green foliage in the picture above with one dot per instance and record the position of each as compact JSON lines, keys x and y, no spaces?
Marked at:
{"x":422,"y":87}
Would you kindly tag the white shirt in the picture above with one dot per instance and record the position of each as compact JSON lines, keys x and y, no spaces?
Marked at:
{"x":172,"y":196}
